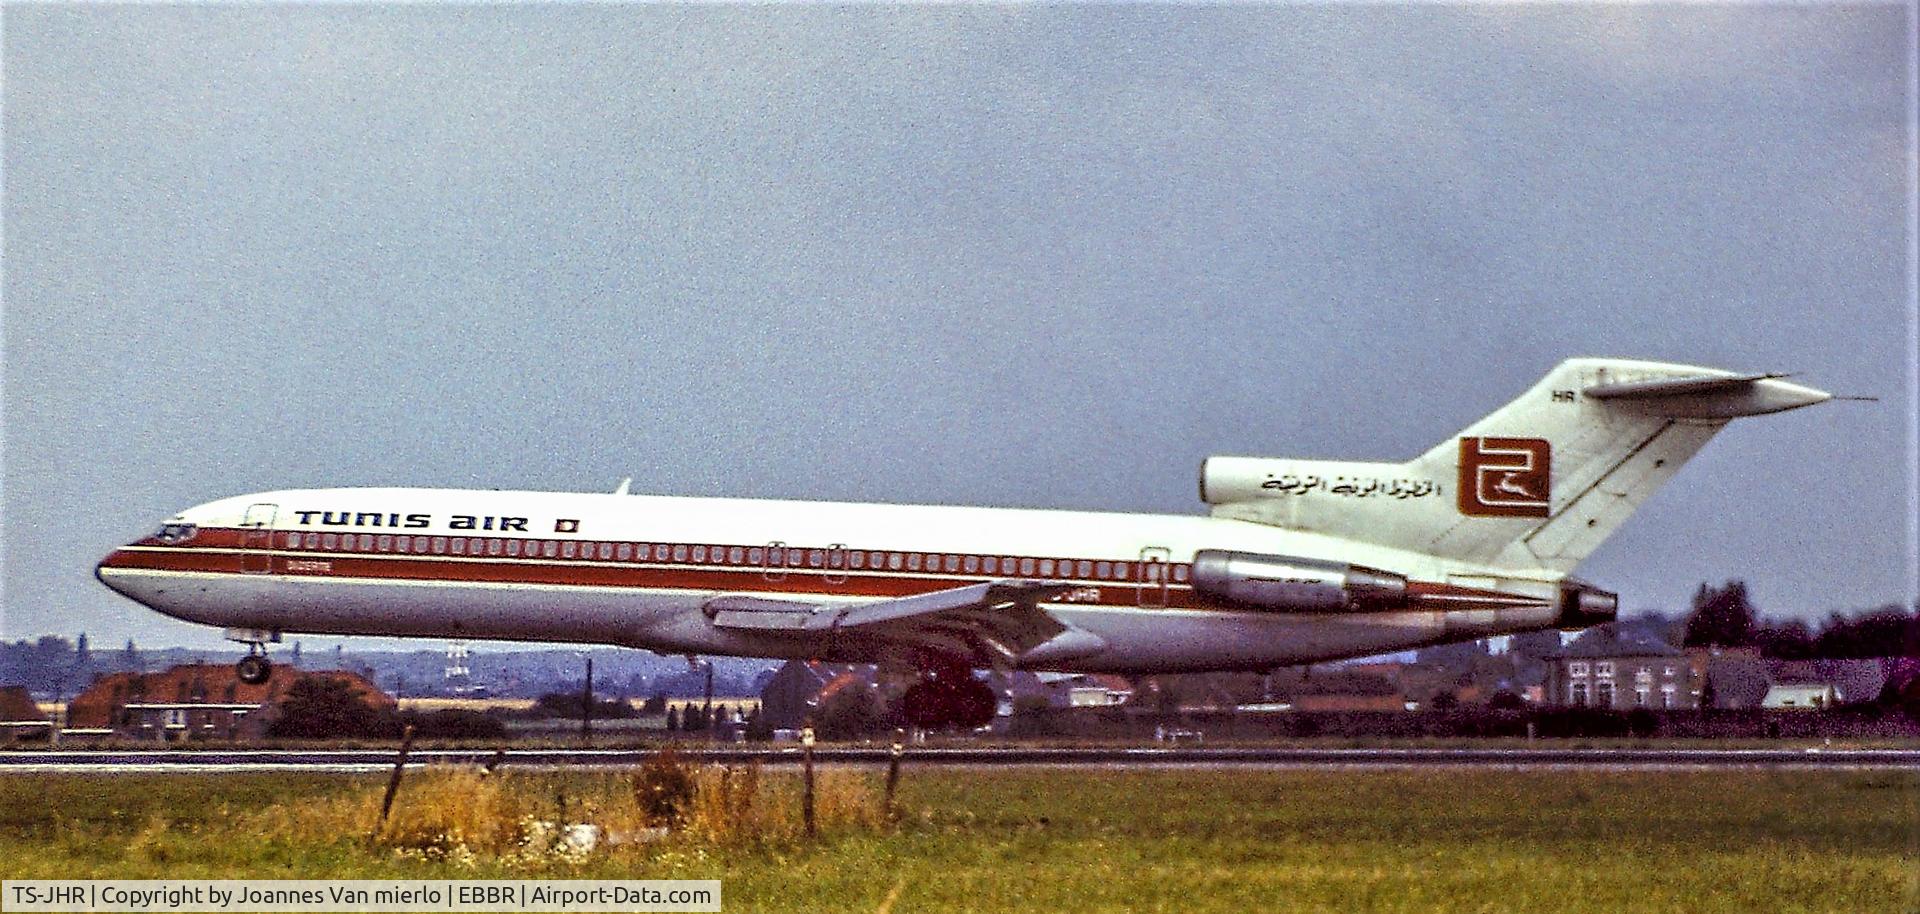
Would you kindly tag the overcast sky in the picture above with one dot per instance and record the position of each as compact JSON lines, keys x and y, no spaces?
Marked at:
{"x":1006,"y":255}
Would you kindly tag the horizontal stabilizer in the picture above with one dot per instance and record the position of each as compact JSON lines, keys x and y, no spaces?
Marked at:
{"x":1674,"y":387}
{"x":1707,"y":396}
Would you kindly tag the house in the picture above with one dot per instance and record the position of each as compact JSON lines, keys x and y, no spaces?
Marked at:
{"x":20,"y":717}
{"x":1607,"y":667}
{"x":1853,"y":681}
{"x":198,"y":701}
{"x":1097,"y":691}
{"x":1809,"y":696}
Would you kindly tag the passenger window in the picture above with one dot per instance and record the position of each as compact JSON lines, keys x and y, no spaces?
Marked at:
{"x":735,"y":555}
{"x":1083,"y":569}
{"x":419,"y":545}
{"x":756,"y":555}
{"x":952,"y":563}
{"x":1103,"y":571}
{"x":625,"y":552}
{"x":385,"y":542}
{"x":1120,"y":571}
{"x":1026,"y":566}
{"x":913,"y":561}
{"x":606,"y":551}
{"x":366,"y":542}
{"x":493,"y":547}
{"x":439,"y":545}
{"x":293,"y":541}
{"x":973,"y":564}
{"x":895,"y":560}
{"x":679,"y":553}
{"x":403,"y":544}
{"x":459,"y":545}
{"x":1046,"y":568}
{"x":330,"y":541}
{"x":857,"y":559}
{"x":700,"y":554}
{"x":793,"y":558}
{"x":550,"y":548}
{"x":816,"y":558}
{"x":313,"y":541}
{"x":876,"y":560}
{"x":1179,"y":572}
{"x":569,"y":549}
{"x":990,"y":565}
{"x":776,"y":556}
{"x":513,"y":547}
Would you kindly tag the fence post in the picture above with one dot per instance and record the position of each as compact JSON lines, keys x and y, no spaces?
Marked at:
{"x":893,"y":773}
{"x":806,"y":775}
{"x":399,"y":767}
{"x":586,"y":706}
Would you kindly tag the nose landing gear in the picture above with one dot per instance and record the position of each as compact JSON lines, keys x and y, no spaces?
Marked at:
{"x":254,"y":668}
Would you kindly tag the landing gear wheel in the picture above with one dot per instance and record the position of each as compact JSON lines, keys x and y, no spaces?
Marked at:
{"x":938,"y":704}
{"x":975,"y":704}
{"x":928,"y":705}
{"x":254,"y":669}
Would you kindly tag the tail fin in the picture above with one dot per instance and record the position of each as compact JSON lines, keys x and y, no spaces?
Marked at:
{"x":1539,"y":483}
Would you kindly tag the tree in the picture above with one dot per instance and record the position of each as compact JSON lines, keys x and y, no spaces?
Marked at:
{"x":1722,"y":617}
{"x":1884,"y":632}
{"x":759,"y":729}
{"x":317,"y":707}
{"x":851,"y":712}
{"x":1789,"y":640}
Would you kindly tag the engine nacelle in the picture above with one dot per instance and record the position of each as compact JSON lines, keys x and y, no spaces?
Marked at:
{"x":1283,"y":583}
{"x":1583,"y":605}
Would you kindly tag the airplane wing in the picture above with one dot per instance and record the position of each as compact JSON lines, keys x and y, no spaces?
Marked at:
{"x":991,"y":622}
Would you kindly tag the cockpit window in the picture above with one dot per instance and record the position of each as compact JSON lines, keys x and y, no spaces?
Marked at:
{"x":176,"y":533}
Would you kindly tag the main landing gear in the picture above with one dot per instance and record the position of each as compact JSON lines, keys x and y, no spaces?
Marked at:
{"x":949,"y":697}
{"x":254,"y":668}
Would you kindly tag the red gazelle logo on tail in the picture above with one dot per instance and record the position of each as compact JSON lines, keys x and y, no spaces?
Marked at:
{"x":1505,"y":477}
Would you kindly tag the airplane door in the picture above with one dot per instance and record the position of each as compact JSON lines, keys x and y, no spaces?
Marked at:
{"x":1152,"y":574}
{"x":256,"y":538}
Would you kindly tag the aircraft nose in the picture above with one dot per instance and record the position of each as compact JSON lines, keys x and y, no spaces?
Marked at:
{"x":110,"y":572}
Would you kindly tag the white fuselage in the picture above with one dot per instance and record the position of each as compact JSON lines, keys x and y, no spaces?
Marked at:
{"x":641,"y":571}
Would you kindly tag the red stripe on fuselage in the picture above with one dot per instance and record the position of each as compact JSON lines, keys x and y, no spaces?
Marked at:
{"x":208,"y":552}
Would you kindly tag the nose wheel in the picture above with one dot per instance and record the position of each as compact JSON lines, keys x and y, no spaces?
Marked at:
{"x":254,"y":669}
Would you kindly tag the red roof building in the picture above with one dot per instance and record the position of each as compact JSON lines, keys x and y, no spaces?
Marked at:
{"x":197,"y":701}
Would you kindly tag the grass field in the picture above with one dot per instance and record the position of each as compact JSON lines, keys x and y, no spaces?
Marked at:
{"x":1074,"y":840}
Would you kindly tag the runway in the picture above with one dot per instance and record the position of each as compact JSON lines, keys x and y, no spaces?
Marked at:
{"x":362,"y":760}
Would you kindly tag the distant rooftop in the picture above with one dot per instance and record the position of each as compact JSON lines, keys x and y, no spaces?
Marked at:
{"x":1606,"y":641}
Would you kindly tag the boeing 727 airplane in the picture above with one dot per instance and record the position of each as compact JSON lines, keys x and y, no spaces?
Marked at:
{"x":1298,"y":561}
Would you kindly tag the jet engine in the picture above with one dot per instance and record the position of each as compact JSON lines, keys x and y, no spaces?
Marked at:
{"x":1583,"y":605}
{"x":1283,"y":583}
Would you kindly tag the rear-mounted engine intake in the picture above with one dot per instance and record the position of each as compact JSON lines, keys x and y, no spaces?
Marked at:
{"x":1284,"y":583}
